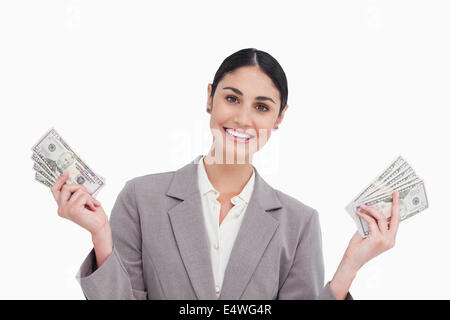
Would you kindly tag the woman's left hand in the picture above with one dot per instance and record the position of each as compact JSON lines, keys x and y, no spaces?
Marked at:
{"x":381,"y":236}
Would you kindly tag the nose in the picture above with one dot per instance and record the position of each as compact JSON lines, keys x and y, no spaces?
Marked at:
{"x":243,"y":116}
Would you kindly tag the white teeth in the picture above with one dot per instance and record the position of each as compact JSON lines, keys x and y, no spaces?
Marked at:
{"x":237,"y":134}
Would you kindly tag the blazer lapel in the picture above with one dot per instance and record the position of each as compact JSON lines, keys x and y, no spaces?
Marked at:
{"x":256,"y":230}
{"x":190,"y":232}
{"x":255,"y":233}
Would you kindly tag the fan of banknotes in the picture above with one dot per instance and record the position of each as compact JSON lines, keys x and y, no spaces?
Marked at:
{"x":52,"y":156}
{"x":398,"y":176}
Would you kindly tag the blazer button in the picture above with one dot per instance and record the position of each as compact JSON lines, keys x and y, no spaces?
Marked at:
{"x":217,"y":289}
{"x":216,"y":246}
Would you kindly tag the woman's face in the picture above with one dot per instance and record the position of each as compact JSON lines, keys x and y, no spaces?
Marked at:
{"x":247,"y":103}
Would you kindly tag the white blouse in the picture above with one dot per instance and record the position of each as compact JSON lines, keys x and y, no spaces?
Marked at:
{"x":221,"y":238}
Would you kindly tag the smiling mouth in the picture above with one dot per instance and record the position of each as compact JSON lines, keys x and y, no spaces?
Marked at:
{"x":237,"y":136}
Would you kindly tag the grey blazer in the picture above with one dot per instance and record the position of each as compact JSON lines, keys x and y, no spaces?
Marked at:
{"x":161,"y":246}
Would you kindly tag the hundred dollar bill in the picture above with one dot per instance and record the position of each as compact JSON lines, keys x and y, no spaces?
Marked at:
{"x":413,"y":199}
{"x":41,"y":179}
{"x":59,"y":157}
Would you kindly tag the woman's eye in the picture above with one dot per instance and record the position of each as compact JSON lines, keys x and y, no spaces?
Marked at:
{"x":262,"y":107}
{"x":233,"y":99}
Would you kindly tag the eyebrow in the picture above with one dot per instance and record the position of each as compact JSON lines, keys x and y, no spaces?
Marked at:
{"x":261,"y":98}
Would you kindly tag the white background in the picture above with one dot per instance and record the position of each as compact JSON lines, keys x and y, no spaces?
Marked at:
{"x":125,"y":83}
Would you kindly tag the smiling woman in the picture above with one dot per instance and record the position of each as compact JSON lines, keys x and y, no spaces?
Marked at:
{"x":247,"y":100}
{"x":215,"y":229}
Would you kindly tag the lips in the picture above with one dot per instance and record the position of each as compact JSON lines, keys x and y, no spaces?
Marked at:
{"x":238,"y":131}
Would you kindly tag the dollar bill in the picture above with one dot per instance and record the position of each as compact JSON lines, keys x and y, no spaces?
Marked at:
{"x":42,"y":179}
{"x":54,"y":156}
{"x":390,"y":190}
{"x":38,"y":160}
{"x":42,"y":172}
{"x":398,"y":162}
{"x":413,"y":199}
{"x":403,"y":176}
{"x":396,"y":173}
{"x":397,"y":176}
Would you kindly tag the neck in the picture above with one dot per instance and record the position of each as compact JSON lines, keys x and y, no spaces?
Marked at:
{"x":228,"y":179}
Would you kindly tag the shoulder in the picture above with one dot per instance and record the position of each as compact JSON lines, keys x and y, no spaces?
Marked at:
{"x":295,"y":216}
{"x":294,"y":206}
{"x":153,"y":178}
{"x":150,"y":183}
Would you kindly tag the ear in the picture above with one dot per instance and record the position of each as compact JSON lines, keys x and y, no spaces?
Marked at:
{"x":209,"y":99}
{"x":280,"y":118}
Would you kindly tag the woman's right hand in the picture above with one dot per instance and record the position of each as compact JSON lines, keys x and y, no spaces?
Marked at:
{"x":76,"y":204}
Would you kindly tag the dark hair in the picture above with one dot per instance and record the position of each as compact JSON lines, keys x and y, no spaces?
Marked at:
{"x":254,"y":57}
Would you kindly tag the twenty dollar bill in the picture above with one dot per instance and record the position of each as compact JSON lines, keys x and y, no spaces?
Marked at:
{"x":53,"y":156}
{"x":378,"y":194}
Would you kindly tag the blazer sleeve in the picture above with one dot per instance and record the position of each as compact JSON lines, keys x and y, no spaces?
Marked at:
{"x":121,"y":275}
{"x":306,"y":276}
